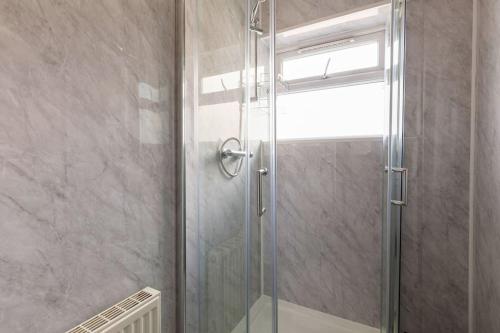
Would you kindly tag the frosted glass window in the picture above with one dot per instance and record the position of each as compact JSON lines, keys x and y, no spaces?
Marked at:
{"x":342,"y":60}
{"x":352,"y":111}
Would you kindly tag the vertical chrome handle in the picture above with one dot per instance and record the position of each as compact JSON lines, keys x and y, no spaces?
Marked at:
{"x":404,"y":185}
{"x":260,"y":184}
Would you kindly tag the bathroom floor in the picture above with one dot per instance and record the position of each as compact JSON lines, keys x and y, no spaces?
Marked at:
{"x":298,"y":319}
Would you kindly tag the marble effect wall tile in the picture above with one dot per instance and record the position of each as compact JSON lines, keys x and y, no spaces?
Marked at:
{"x":487,"y":180}
{"x":329,"y":227}
{"x":87,"y":152}
{"x":298,"y":12}
{"x":435,"y":224}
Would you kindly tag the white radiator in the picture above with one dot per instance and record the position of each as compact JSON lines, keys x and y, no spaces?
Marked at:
{"x":139,"y":313}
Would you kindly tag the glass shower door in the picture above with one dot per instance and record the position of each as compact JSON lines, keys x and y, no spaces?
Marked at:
{"x":340,"y":182}
{"x":227,"y":173}
{"x":291,"y":214}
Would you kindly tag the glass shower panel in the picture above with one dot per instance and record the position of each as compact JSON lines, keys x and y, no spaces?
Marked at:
{"x":221,"y":183}
{"x":226,"y":141}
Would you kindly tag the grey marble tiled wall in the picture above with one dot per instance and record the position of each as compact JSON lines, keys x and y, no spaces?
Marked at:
{"x":87,"y":159}
{"x":297,"y":12}
{"x":329,"y":226}
{"x":487,"y":166}
{"x":434,"y":278}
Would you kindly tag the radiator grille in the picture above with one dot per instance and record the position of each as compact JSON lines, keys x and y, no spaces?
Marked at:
{"x":139,"y":311}
{"x":127,"y":304}
{"x":141,"y":296}
{"x":112,"y":313}
{"x":94,"y":323}
{"x":78,"y":330}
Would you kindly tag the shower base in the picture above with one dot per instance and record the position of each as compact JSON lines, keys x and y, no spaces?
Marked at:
{"x":294,"y":318}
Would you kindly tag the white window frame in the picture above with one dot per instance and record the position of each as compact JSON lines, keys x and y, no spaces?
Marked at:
{"x":359,"y":76}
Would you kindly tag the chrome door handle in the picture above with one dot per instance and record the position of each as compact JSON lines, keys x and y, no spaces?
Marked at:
{"x":260,"y":184}
{"x":404,"y":185}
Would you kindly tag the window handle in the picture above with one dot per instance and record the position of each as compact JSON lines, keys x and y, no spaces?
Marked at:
{"x":325,"y":73}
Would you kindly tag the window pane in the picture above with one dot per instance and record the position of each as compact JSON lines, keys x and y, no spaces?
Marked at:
{"x":343,"y":60}
{"x":338,"y":112}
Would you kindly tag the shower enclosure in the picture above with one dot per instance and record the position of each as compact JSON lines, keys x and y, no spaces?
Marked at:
{"x":292,"y":179}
